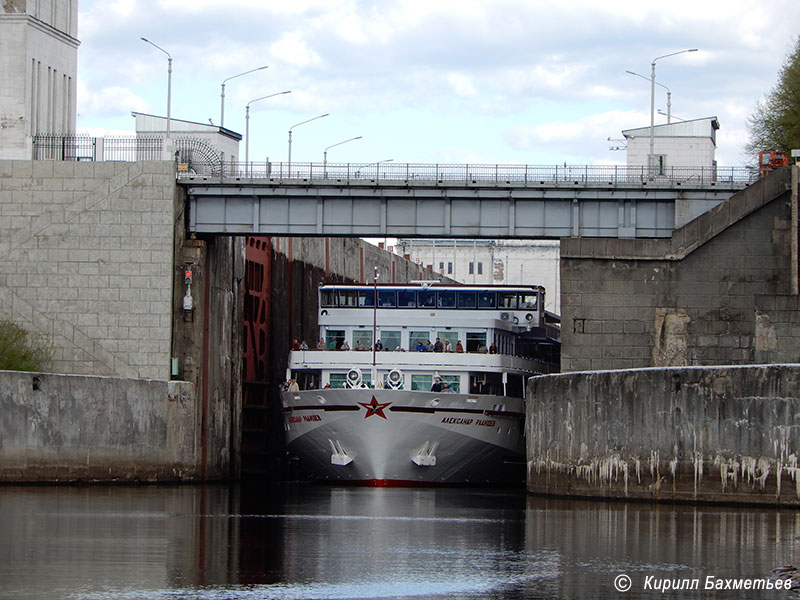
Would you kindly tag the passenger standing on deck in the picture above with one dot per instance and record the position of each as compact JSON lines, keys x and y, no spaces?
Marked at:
{"x":459,"y":347}
{"x":438,"y":346}
{"x":448,"y":347}
{"x":437,"y":385}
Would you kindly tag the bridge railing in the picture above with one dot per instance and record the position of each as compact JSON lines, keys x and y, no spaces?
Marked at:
{"x":387,"y":172}
{"x":194,"y":160}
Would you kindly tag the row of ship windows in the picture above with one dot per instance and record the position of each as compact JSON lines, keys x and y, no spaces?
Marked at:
{"x":390,"y":339}
{"x":485,"y":299}
{"x":422,"y":383}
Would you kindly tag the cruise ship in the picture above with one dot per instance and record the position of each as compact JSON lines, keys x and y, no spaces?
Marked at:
{"x":418,"y":384}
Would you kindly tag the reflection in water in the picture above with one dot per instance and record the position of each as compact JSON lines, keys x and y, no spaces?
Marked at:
{"x":215,"y":542}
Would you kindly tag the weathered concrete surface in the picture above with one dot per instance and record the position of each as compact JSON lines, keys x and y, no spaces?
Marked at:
{"x":722,"y":291}
{"x":709,"y":434}
{"x":81,"y":428}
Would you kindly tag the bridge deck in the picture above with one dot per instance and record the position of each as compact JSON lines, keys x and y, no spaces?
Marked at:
{"x":469,"y":201}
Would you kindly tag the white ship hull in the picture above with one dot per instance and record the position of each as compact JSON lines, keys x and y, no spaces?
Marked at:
{"x":402,"y":437}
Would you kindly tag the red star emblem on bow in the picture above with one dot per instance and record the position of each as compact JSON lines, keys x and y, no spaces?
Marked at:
{"x":374,"y":408}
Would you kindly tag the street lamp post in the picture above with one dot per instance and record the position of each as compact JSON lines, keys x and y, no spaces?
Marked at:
{"x":289,"y":167}
{"x":325,"y":154}
{"x":247,"y":125}
{"x":651,"y":157}
{"x":222,"y":94}
{"x":169,"y":90}
{"x":669,"y":94}
{"x":377,"y":167}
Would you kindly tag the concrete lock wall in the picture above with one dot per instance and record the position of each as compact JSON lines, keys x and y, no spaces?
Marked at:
{"x":67,"y":428}
{"x":722,"y":290}
{"x":86,"y":258}
{"x":713,"y":434}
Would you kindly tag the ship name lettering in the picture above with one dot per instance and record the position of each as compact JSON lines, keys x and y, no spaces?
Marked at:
{"x":485,"y":422}
{"x":294,"y":419}
{"x":312,"y":418}
{"x":456,"y":421}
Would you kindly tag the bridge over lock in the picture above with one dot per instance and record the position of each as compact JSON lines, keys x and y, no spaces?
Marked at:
{"x":388,"y":199}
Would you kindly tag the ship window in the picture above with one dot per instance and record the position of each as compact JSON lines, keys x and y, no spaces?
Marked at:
{"x":447,"y":299}
{"x":362,"y":339}
{"x":467,"y":299}
{"x":417,"y":336}
{"x":507,"y":300}
{"x":486,"y":299}
{"x":348,"y":298}
{"x":454,"y":381}
{"x":476,"y":341}
{"x":421,"y":383}
{"x":406,"y":299}
{"x":337,"y":380}
{"x":448,"y":335}
{"x":334,"y":338}
{"x":327,"y":298}
{"x":426,"y":299}
{"x":366,"y":298}
{"x":528,"y":301}
{"x":386,"y":299}
{"x":390,"y":339}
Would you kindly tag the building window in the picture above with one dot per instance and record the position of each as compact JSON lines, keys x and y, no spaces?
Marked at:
{"x":449,"y":268}
{"x":472,"y":268}
{"x":659,"y":163}
{"x":441,"y":267}
{"x":480,"y":268}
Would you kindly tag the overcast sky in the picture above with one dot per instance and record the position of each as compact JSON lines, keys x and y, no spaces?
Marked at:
{"x":448,"y":81}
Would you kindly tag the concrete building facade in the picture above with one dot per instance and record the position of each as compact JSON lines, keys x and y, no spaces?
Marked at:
{"x":223,"y":142}
{"x":38,"y":72}
{"x":682,"y":144}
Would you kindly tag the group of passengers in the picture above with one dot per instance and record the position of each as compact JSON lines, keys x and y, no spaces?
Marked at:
{"x":426,"y":346}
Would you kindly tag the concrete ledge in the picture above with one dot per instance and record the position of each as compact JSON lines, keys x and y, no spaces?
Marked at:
{"x":56,"y":428}
{"x":699,"y":434}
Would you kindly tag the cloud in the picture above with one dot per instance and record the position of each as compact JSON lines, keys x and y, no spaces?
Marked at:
{"x":107,"y":101}
{"x":293,"y":49}
{"x":461,"y":85}
{"x":564,"y":134}
{"x":550,"y":75}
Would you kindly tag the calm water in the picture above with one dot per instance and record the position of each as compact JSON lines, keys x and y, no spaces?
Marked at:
{"x":299,"y":542}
